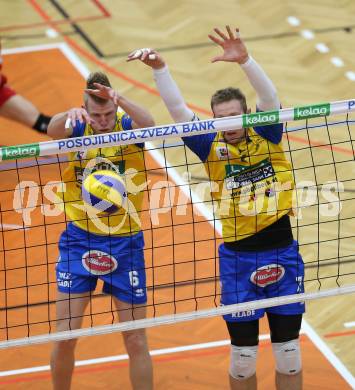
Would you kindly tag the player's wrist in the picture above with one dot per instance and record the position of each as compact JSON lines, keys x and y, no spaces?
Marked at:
{"x":243,"y":61}
{"x":117,"y":98}
{"x":160,"y":65}
{"x":161,"y":69}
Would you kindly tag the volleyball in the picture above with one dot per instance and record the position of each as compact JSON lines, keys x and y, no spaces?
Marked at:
{"x":104,"y":190}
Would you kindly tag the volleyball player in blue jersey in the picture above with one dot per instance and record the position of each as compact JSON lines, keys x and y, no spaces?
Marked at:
{"x":259,"y":257}
{"x":108,"y":247}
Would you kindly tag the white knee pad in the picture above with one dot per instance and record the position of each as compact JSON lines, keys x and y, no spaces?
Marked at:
{"x":243,"y":362}
{"x":288,"y":357}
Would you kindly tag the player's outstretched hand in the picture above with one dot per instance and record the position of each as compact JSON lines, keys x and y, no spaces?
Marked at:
{"x":104,"y":92}
{"x":77,"y":114}
{"x":233,"y":47}
{"x":148,"y":56}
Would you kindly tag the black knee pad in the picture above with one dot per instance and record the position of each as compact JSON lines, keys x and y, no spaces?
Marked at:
{"x":284,"y":328}
{"x":244,"y":334}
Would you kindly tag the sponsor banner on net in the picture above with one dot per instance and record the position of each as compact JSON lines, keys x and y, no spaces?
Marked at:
{"x":136,"y":136}
{"x":311,"y":111}
{"x":261,"y":118}
{"x":20,"y":151}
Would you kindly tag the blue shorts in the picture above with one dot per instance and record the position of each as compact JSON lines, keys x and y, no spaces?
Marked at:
{"x":250,"y":276}
{"x":117,"y":260}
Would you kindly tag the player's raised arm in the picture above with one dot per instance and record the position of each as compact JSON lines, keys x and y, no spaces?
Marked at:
{"x":234,"y":50}
{"x":166,"y":85}
{"x":139,"y":115}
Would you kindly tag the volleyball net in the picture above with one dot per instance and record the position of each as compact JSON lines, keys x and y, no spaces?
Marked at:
{"x":179,"y":219}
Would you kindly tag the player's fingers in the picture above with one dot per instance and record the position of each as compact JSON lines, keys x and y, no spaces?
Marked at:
{"x":237,"y":33}
{"x":220,"y":33}
{"x":92,"y":91}
{"x":86,"y":117}
{"x":215,"y":40}
{"x":77,"y":116}
{"x":145,"y":53}
{"x":153,"y":54}
{"x":73,"y":117}
{"x":70,"y":120}
{"x":115,"y":98}
{"x":216,"y":59}
{"x":68,"y":123}
{"x":101,"y":87}
{"x":230,"y":33}
{"x":134,"y":55}
{"x":148,"y":54}
{"x":137,"y":54}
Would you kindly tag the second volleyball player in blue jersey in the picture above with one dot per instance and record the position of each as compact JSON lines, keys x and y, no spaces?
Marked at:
{"x":259,"y":258}
{"x":106,"y":247}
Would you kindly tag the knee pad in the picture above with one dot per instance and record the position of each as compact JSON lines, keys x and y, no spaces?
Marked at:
{"x":243,"y":362}
{"x":288,"y":357}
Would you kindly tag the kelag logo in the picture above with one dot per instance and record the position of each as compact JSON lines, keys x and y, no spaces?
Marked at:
{"x":261,"y":118}
{"x":313,"y":111}
{"x":20,"y":151}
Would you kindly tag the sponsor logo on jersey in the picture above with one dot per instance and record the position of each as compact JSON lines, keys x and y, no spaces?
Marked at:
{"x":99,"y":262}
{"x":64,"y":279}
{"x":268,"y":274}
{"x":244,"y":313}
{"x":222,"y":153}
{"x":239,"y":176}
{"x":139,"y":292}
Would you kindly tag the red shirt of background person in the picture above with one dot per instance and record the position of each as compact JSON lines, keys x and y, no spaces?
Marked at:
{"x":15,"y":107}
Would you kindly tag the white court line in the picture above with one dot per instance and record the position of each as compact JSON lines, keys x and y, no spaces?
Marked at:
{"x":320,"y":344}
{"x":349,"y":324}
{"x":29,"y":49}
{"x":116,"y":358}
{"x":10,"y":226}
{"x":63,"y":47}
{"x":328,"y":354}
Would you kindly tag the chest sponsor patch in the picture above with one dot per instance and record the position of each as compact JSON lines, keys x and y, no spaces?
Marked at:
{"x":222,"y":153}
{"x":249,"y":175}
{"x":268,"y":274}
{"x":99,"y":262}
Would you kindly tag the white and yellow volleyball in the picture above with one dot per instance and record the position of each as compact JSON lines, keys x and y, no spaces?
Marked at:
{"x":104,"y":191}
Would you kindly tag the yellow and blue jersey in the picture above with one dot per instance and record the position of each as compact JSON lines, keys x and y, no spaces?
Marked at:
{"x":128,"y":160}
{"x":254,"y":178}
